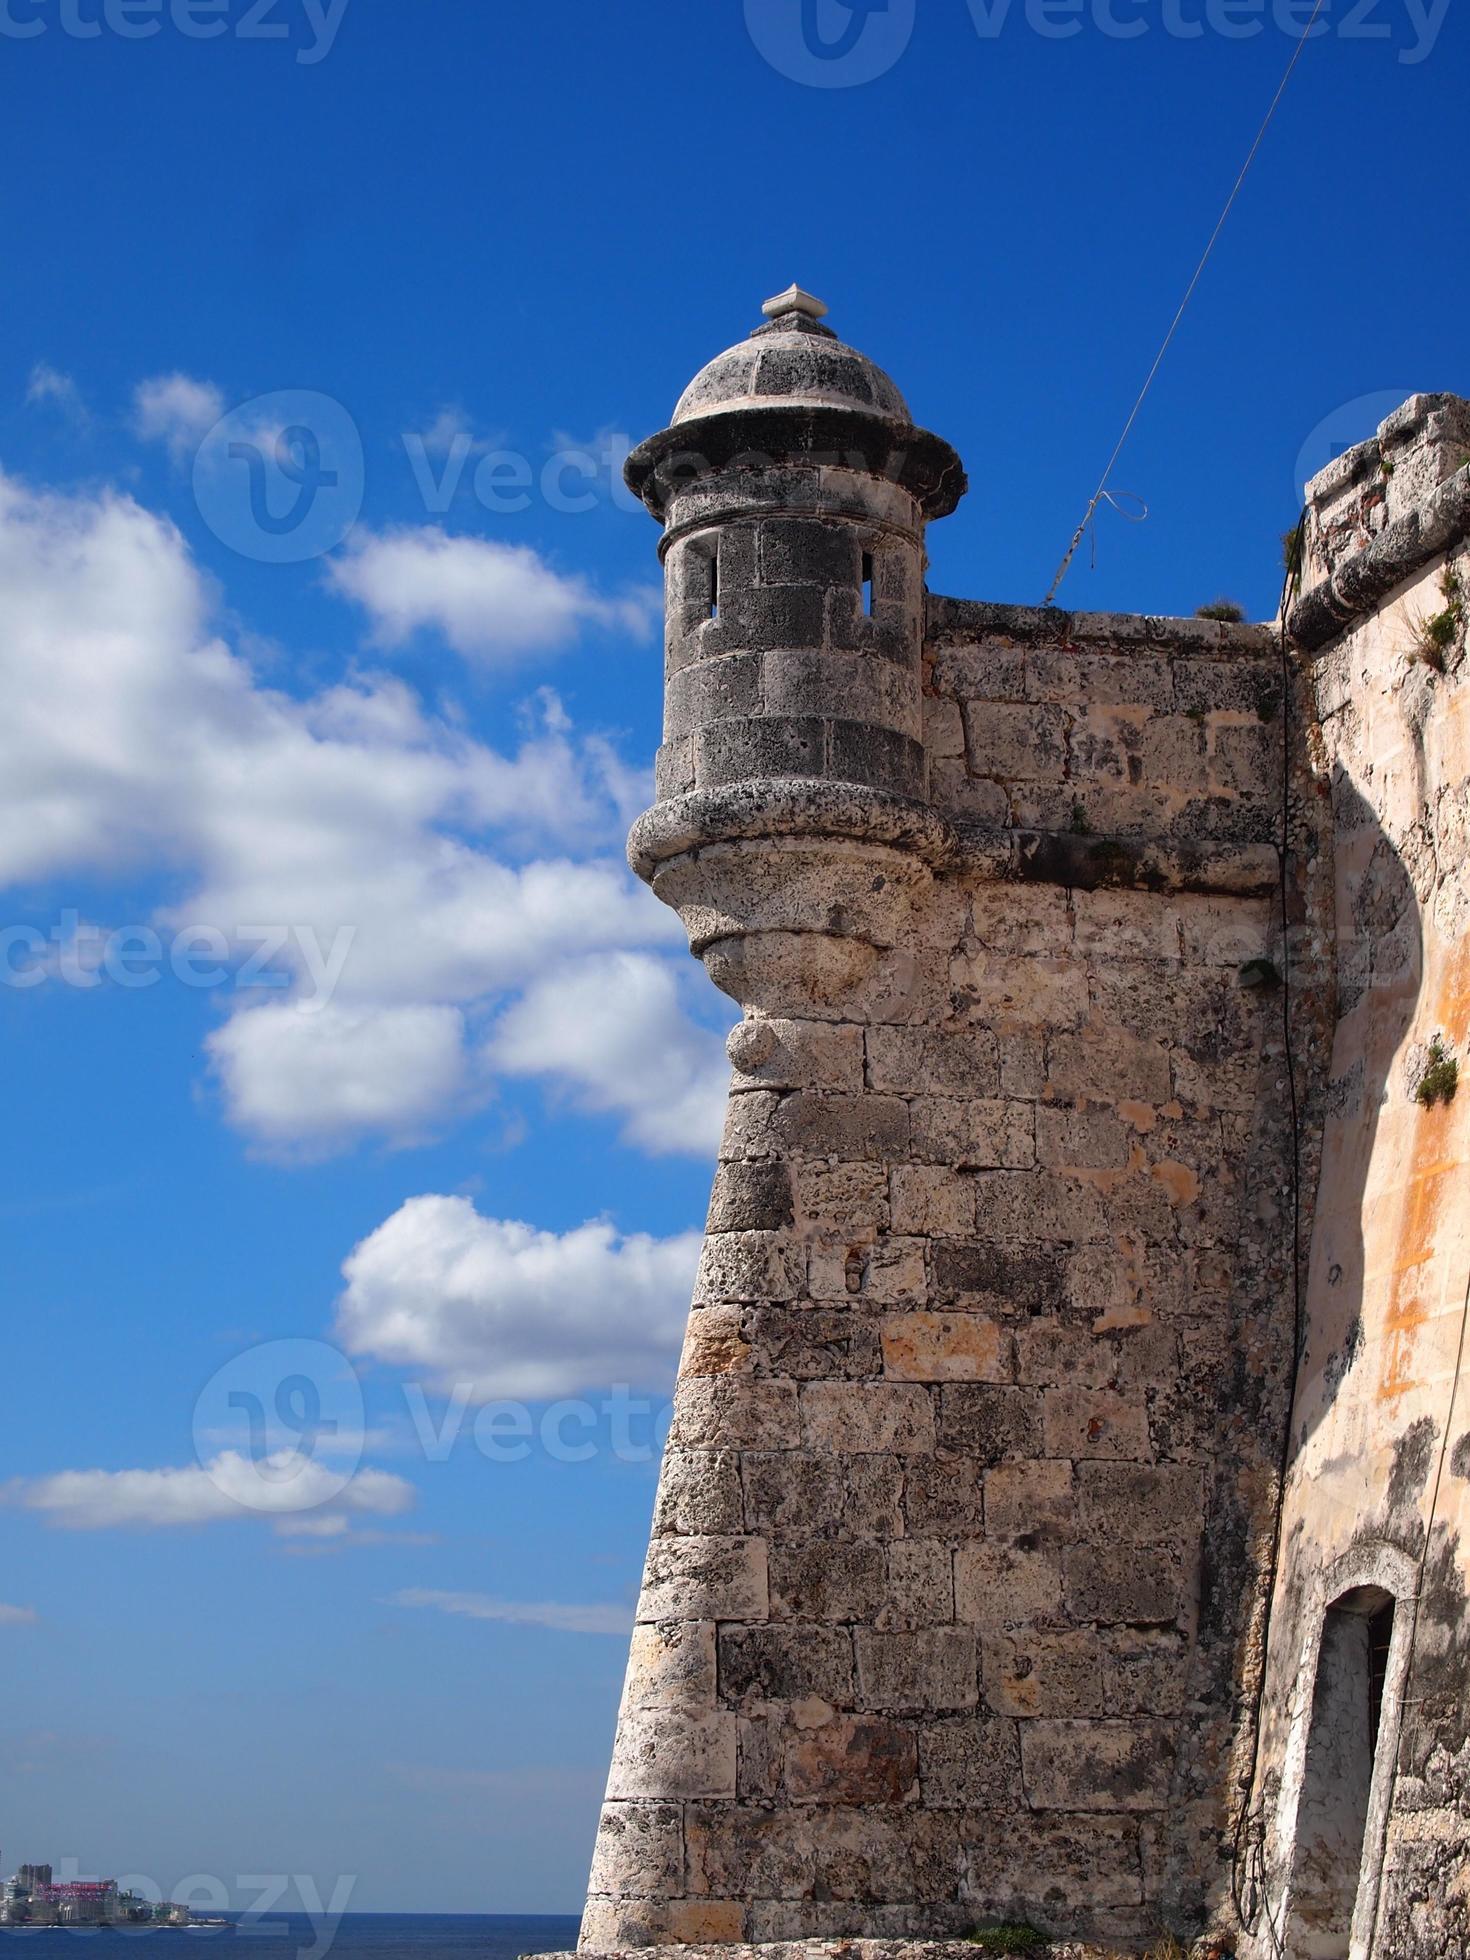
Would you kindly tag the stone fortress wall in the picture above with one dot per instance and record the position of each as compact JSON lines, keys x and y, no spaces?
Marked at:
{"x":1377,"y":1511}
{"x":961,"y":1568}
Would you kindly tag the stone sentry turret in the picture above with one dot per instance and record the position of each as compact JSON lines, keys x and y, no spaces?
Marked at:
{"x":793,"y":824}
{"x":991,"y":1329}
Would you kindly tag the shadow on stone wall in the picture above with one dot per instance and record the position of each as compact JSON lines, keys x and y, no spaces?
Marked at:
{"x":1380,"y":975}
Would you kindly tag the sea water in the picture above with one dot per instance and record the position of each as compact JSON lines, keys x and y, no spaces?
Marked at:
{"x":293,"y":1936}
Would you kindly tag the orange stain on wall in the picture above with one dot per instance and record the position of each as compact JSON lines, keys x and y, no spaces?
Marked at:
{"x":1435,"y":1162}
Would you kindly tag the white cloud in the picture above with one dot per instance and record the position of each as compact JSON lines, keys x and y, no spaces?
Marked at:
{"x":461,"y":871}
{"x":452,"y":428}
{"x":341,"y":1535}
{"x":324,"y":1524}
{"x":176,"y":410}
{"x":490,"y":601}
{"x":502,"y":1309}
{"x":558,"y":1618}
{"x":49,"y":384}
{"x":231,"y":1486}
{"x":612,"y":1030}
{"x":300,"y":1078}
{"x":18,"y":1616}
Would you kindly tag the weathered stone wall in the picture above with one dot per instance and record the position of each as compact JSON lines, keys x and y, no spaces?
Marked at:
{"x":959,"y":1603}
{"x":1380,"y":1441}
{"x":954,"y":1555}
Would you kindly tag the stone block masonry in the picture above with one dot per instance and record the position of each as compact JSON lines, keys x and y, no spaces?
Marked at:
{"x":957,"y":1583}
{"x":960,"y":1371}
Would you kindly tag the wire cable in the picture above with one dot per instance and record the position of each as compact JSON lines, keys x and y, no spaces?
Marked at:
{"x":1097,"y":495}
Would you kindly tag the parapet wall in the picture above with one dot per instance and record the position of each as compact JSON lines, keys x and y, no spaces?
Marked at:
{"x":1136,"y":750}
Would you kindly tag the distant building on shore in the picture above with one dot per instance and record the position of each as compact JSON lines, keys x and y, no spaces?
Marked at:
{"x":33,"y":1898}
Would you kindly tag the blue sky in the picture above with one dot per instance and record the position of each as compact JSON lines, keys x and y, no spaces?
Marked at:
{"x":454,"y":235}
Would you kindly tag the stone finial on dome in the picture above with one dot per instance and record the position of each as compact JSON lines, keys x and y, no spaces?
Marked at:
{"x":794,"y":300}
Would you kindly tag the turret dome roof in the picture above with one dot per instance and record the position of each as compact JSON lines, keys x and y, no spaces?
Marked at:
{"x":792,"y":361}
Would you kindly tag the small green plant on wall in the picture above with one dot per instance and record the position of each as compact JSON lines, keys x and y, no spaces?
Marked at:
{"x":1011,"y":1937}
{"x":1441,"y":1075}
{"x":1224,"y":609}
{"x":1437,"y":633}
{"x":1166,"y":1947}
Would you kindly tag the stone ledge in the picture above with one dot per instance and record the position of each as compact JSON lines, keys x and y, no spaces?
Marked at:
{"x":950,"y":620}
{"x":786,"y":807}
{"x":750,"y":439}
{"x":800,"y":808}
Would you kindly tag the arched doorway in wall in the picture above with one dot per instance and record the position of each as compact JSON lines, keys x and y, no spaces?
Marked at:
{"x":1344,"y":1770}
